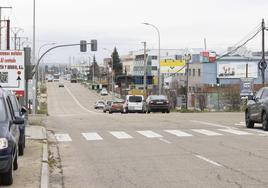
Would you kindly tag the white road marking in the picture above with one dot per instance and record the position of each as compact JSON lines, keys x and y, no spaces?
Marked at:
{"x":208,"y":160}
{"x":260,"y":132}
{"x":206,"y":132}
{"x":211,"y":124}
{"x":77,"y":102}
{"x":150,"y":134}
{"x":178,"y":133}
{"x":164,"y":140}
{"x":120,"y":135}
{"x":63,"y":137}
{"x":240,"y":124}
{"x":237,"y":132}
{"x":92,"y":136}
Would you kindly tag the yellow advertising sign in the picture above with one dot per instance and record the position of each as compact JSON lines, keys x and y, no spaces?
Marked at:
{"x":172,"y":66}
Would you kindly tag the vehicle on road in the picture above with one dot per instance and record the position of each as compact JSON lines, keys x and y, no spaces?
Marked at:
{"x":107,"y":105}
{"x":9,"y":139}
{"x":99,"y":104}
{"x":116,"y":106}
{"x":56,"y":77}
{"x":104,"y":92}
{"x":157,"y":103}
{"x":134,"y":103}
{"x":257,"y":109}
{"x":19,"y":113}
{"x":61,"y":84}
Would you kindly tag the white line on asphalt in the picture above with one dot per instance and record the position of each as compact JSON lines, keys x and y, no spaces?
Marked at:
{"x":212,"y":124}
{"x":178,"y":133}
{"x":237,"y":132}
{"x":92,"y":136}
{"x":208,"y":160}
{"x":63,"y":137}
{"x":120,"y":135}
{"x":77,"y":102}
{"x":150,"y":134}
{"x":260,"y":132}
{"x":164,"y":140}
{"x":206,"y":132}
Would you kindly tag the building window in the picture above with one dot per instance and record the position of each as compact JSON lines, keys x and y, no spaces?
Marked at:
{"x":193,"y":72}
{"x":154,"y":57}
{"x":199,"y":72}
{"x":154,"y":68}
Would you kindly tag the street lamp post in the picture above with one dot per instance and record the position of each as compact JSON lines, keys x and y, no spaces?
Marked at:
{"x":159,"y":79}
{"x":112,"y":62}
{"x":187,"y":58}
{"x":33,"y":59}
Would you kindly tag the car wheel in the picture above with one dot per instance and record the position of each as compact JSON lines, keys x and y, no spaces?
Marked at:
{"x":264,"y":121}
{"x":15,"y":165}
{"x":7,"y":178}
{"x":168,"y":111}
{"x":163,"y":112}
{"x":110,"y":112}
{"x":104,"y":111}
{"x":21,"y":149}
{"x":249,"y":123}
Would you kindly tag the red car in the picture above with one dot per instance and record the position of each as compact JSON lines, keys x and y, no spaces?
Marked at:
{"x":116,"y":106}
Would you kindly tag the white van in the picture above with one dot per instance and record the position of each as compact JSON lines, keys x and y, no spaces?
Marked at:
{"x":134,"y":103}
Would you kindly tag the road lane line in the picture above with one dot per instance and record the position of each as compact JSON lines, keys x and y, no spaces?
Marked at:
{"x":178,"y":133}
{"x":120,"y":135}
{"x":164,"y":140}
{"x":208,"y":160}
{"x":237,"y":132}
{"x":206,"y":132}
{"x":92,"y":136}
{"x":150,"y":134}
{"x":63,"y":137}
{"x":212,"y":124}
{"x":77,"y":102}
{"x":260,"y":132}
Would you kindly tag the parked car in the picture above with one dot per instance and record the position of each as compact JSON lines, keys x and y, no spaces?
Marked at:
{"x":116,"y":106}
{"x":107,"y":105}
{"x":99,"y":104}
{"x":104,"y":92}
{"x":257,"y":109}
{"x":9,"y":138}
{"x":134,"y":103}
{"x":157,"y":103}
{"x":19,"y":113}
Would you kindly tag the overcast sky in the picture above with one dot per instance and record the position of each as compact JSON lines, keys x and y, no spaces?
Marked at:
{"x":182,"y":23}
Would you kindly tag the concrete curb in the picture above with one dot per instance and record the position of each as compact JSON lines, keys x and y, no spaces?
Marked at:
{"x":44,"y":172}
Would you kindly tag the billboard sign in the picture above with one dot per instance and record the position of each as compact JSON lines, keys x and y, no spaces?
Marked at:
{"x":237,"y":70}
{"x":12,"y":71}
{"x":207,"y":57}
{"x":172,"y":66}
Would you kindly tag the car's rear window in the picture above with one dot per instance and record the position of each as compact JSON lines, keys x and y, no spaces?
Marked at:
{"x":135,"y":99}
{"x":2,"y":111}
{"x":158,"y":97}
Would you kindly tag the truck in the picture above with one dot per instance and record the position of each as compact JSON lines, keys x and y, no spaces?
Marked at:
{"x":56,"y":77}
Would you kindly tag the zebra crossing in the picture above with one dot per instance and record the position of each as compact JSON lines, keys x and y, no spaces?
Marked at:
{"x":150,"y":134}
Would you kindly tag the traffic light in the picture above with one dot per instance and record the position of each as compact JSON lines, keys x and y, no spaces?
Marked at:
{"x":83,"y":46}
{"x":94,"y":45}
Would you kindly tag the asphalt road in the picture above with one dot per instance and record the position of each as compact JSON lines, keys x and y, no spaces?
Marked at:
{"x":101,"y":150}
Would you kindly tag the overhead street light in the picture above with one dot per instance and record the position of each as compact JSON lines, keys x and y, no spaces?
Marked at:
{"x":158,"y":32}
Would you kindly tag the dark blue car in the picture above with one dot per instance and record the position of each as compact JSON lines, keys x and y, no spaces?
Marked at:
{"x":9,"y":139}
{"x":19,"y":113}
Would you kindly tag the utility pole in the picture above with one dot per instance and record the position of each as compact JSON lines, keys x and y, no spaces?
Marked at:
{"x":15,"y":31}
{"x":8,"y":34}
{"x":145,"y":71}
{"x":187,"y":58}
{"x":93,"y":70}
{"x":88,"y":68}
{"x":1,"y":24}
{"x":262,"y":63}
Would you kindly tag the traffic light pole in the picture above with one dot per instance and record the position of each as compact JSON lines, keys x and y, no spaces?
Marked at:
{"x":35,"y":71}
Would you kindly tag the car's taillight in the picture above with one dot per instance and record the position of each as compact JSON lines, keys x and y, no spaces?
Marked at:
{"x":151,"y":102}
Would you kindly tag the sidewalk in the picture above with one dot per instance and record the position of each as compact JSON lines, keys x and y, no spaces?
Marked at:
{"x":32,"y":173}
